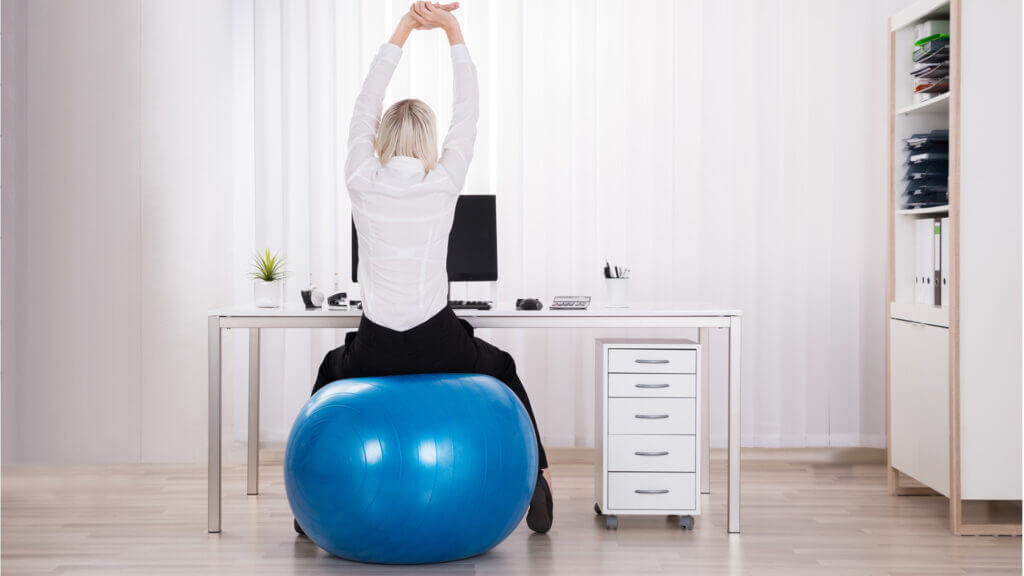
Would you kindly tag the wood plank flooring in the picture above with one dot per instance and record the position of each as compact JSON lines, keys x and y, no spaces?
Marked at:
{"x":798,"y":518}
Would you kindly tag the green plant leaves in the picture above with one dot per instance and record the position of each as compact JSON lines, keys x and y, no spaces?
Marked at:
{"x":268,"y":267}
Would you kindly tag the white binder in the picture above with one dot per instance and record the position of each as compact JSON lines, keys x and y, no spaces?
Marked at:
{"x":944,"y":260}
{"x":924,"y":263}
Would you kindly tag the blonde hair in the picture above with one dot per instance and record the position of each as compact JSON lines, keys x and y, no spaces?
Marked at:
{"x":407,"y":129}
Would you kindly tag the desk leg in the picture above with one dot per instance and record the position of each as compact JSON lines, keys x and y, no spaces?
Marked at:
{"x":734,"y":426}
{"x":213,"y":437}
{"x":252,"y":482}
{"x":704,"y":339}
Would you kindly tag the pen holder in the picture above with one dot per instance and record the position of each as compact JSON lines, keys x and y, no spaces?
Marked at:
{"x":617,"y":288}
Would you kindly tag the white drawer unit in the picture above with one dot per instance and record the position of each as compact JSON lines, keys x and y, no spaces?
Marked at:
{"x":652,"y":453}
{"x":648,"y":429}
{"x":652,"y":385}
{"x":652,"y":491}
{"x":652,"y":416}
{"x":652,"y":361}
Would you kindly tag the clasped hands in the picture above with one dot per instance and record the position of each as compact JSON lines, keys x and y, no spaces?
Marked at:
{"x":428,"y":16}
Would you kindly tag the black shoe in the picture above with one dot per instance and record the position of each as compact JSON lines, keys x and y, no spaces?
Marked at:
{"x":541,"y":507}
{"x":298,"y":529}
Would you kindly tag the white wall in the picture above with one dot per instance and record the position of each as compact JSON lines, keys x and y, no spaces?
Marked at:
{"x":117,"y":217}
{"x":12,"y":137}
{"x":728,"y":151}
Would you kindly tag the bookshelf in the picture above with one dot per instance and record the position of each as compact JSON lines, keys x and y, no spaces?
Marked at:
{"x":933,"y":211}
{"x":953,"y":378}
{"x":935,"y":105}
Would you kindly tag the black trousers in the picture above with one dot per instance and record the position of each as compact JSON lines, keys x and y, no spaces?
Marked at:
{"x":444,"y":343}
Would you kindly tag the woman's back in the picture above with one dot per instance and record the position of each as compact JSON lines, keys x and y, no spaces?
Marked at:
{"x":402,"y":219}
{"x":403,"y":209}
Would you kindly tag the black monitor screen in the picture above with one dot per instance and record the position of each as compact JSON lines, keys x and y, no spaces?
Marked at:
{"x":472,"y":242}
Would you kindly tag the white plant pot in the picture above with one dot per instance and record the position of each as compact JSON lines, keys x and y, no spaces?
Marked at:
{"x":267,"y":294}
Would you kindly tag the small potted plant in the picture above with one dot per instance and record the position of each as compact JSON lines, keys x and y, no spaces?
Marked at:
{"x":268,"y":272}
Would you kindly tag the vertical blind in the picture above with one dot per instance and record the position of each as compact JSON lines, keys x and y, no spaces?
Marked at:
{"x":730,"y":153}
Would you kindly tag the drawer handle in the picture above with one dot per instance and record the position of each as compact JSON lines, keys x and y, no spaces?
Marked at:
{"x":652,"y":385}
{"x":651,"y":491}
{"x":658,"y":453}
{"x":651,"y":416}
{"x":650,"y":361}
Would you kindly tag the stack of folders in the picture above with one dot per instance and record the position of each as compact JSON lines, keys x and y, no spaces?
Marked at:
{"x":927,"y":173}
{"x":931,"y":263}
{"x":931,"y":59}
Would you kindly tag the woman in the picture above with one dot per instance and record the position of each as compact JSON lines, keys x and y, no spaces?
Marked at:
{"x":403,"y":202}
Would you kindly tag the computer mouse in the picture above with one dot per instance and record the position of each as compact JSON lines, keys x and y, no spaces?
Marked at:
{"x":528,"y":304}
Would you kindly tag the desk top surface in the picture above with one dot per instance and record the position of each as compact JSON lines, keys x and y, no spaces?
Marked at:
{"x":598,"y":310}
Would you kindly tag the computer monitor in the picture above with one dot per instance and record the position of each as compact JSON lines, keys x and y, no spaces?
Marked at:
{"x":472,"y":242}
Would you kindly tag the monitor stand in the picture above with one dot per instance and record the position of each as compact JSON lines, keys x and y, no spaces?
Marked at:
{"x":466,"y":304}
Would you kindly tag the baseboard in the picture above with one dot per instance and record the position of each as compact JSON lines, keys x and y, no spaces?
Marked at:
{"x":720,"y":440}
{"x":565,"y":456}
{"x":273,"y":453}
{"x":838,"y":455}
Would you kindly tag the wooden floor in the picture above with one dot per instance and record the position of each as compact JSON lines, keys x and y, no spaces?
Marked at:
{"x":798,"y":518}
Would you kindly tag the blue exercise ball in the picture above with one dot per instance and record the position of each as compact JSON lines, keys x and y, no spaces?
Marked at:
{"x":411,"y":469}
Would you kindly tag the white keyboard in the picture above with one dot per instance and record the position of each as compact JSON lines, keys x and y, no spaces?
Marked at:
{"x":570,"y":303}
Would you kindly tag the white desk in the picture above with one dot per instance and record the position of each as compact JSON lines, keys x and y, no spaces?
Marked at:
{"x":254,"y":319}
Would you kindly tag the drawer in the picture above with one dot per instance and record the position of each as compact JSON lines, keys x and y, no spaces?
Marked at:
{"x":919,"y":402}
{"x":652,"y":361}
{"x":650,"y":453}
{"x":652,"y":415}
{"x":652,"y":490}
{"x":653,"y":385}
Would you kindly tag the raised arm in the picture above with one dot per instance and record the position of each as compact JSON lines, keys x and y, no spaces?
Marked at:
{"x":366,"y":116}
{"x":458,"y":144}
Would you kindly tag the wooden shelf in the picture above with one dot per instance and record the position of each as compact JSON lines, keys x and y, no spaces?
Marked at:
{"x":920,"y":11}
{"x":924,"y":211}
{"x":935,"y":105}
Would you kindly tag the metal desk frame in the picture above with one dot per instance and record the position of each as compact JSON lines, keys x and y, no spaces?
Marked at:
{"x":255,"y":319}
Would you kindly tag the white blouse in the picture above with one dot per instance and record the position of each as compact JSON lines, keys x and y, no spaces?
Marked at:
{"x":402,"y":215}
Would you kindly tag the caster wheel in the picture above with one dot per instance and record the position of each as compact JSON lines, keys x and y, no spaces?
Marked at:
{"x":686,"y":522}
{"x":611,"y":522}
{"x":597,"y":509}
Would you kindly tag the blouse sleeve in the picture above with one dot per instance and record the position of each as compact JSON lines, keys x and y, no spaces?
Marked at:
{"x":366,"y":116}
{"x":458,"y":144}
